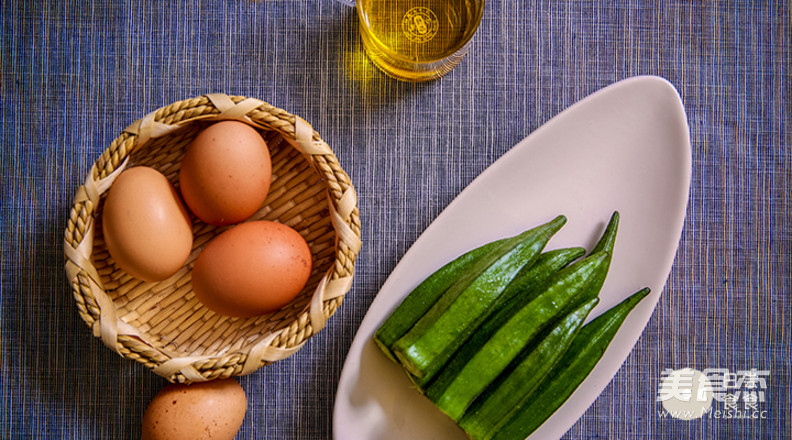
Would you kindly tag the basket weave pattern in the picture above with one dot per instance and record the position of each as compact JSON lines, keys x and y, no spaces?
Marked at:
{"x":162,"y":325}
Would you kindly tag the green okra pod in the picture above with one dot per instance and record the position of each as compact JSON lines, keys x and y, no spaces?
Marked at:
{"x":431,"y":342}
{"x":530,"y":279}
{"x":513,"y":387}
{"x":453,"y":391}
{"x":421,"y":299}
{"x":525,"y":286}
{"x":584,"y":353}
{"x":605,"y":243}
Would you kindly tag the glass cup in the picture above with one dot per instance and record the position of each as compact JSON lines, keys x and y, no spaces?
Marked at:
{"x":417,"y":40}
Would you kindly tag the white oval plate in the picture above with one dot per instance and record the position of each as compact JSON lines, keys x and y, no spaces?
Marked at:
{"x":625,"y":148}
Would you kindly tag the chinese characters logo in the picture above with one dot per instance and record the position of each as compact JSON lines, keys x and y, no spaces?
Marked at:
{"x":688,"y":394}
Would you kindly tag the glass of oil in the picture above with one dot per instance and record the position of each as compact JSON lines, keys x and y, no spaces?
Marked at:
{"x":418,"y":40}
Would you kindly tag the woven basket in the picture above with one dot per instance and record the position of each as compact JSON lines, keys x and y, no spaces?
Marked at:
{"x":162,"y":325}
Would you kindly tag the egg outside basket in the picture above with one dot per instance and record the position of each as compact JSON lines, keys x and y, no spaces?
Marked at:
{"x":162,"y":325}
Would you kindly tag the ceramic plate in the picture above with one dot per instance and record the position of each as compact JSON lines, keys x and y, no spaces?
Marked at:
{"x":625,"y":148}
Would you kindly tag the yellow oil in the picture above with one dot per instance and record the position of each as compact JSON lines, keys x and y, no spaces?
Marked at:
{"x":417,"y":40}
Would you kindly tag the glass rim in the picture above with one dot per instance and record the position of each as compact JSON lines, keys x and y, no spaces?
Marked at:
{"x":463,"y":43}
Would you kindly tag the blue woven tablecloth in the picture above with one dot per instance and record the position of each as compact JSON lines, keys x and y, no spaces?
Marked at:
{"x":75,"y":73}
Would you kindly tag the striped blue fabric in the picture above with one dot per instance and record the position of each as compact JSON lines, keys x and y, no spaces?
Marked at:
{"x":75,"y":73}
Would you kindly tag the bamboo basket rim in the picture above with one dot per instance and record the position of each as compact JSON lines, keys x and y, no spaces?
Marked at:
{"x":97,"y":308}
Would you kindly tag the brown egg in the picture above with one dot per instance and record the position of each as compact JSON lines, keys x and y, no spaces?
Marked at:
{"x":251,"y":269}
{"x":226,"y":172}
{"x":146,"y":227}
{"x":204,"y":410}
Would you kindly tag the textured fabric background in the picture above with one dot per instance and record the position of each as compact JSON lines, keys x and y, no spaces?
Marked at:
{"x":75,"y":73}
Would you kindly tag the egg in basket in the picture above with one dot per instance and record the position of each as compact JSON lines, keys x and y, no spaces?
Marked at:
{"x":190,"y":335}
